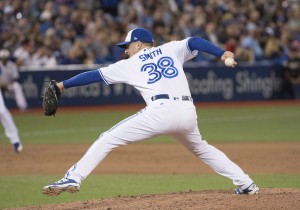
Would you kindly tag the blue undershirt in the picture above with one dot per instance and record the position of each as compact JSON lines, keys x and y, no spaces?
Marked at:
{"x":93,"y":76}
{"x":197,"y":43}
{"x":84,"y":78}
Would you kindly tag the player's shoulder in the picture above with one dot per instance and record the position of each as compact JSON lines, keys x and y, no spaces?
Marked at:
{"x":122,"y":62}
{"x":126,"y":63}
{"x":179,"y":41}
{"x":176,"y":43}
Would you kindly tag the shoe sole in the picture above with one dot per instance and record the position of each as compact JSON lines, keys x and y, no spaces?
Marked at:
{"x":255,"y":193}
{"x":55,"y":191}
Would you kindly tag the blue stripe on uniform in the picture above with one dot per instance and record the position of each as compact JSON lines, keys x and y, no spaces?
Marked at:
{"x":106,"y":82}
{"x":187,"y":45}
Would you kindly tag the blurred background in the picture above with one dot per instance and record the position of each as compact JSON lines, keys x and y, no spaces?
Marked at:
{"x":42,"y":40}
{"x":46,"y":39}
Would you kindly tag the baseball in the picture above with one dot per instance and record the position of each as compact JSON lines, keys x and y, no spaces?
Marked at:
{"x":229,"y":61}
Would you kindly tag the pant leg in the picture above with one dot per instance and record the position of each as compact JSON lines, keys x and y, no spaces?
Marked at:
{"x":214,"y":158}
{"x":19,"y":95}
{"x":7,"y":121}
{"x":135,"y":128}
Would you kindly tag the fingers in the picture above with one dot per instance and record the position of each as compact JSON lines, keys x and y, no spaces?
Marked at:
{"x":228,"y":54}
{"x":232,"y":65}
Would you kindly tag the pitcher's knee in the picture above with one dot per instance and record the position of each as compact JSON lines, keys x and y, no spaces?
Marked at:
{"x":110,"y":140}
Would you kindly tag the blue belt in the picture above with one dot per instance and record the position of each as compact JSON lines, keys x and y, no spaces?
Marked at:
{"x":166,"y":96}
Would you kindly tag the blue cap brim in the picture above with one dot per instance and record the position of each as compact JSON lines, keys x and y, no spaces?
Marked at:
{"x":123,"y":44}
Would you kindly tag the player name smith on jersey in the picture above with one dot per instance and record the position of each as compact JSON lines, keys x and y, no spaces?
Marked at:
{"x":150,"y":55}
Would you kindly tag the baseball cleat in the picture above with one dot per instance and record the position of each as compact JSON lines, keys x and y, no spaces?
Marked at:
{"x":18,"y":147}
{"x":251,"y":190}
{"x":63,"y":185}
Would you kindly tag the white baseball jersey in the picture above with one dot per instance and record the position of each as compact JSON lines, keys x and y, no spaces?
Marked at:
{"x":157,"y":71}
{"x":153,"y":71}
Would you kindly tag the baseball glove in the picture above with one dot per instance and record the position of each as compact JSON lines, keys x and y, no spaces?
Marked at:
{"x":50,"y":98}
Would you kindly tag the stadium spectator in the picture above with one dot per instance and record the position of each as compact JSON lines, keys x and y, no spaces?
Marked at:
{"x":23,"y":53}
{"x":272,"y":49}
{"x":249,"y":41}
{"x":292,"y":70}
{"x":44,"y":57}
{"x":255,"y":30}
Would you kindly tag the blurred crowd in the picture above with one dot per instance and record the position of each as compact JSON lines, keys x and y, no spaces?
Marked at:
{"x":53,"y":32}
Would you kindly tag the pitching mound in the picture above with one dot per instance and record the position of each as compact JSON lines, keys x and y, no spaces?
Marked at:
{"x":208,"y":199}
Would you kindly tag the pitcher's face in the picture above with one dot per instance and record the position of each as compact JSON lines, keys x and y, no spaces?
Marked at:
{"x":133,"y":48}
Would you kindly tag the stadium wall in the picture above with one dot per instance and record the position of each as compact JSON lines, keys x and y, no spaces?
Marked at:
{"x":208,"y":83}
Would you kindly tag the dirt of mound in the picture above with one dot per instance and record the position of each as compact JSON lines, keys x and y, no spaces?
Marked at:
{"x":256,"y":158}
{"x":268,"y":199}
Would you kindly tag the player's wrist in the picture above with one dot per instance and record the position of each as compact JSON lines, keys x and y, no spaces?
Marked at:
{"x":60,"y":85}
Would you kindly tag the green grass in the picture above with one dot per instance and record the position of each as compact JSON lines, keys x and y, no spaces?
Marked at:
{"x":250,"y":124}
{"x":26,"y":190}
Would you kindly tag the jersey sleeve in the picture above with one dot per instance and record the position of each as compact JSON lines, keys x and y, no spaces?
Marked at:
{"x":115,"y":73}
{"x":181,"y":50}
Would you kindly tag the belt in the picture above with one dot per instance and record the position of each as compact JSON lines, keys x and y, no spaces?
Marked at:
{"x":166,"y":96}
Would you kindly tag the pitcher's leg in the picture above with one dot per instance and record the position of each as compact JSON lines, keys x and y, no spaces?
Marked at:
{"x":94,"y":155}
{"x":125,"y":132}
{"x":10,"y":128}
{"x":135,"y":128}
{"x":19,"y":95}
{"x":216,"y":159}
{"x":7,"y":121}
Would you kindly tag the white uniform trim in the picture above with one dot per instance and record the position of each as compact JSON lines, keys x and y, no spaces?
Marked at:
{"x":105,"y":81}
{"x":128,"y":37}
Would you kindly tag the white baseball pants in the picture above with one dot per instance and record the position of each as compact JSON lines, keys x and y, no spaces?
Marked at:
{"x":164,"y":116}
{"x":17,"y":90}
{"x":7,"y":121}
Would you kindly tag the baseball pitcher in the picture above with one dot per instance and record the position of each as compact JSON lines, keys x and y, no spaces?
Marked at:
{"x":157,"y":72}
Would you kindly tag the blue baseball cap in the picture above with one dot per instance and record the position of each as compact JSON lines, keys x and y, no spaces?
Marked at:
{"x":137,"y":34}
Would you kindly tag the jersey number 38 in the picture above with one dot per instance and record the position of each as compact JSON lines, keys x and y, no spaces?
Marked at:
{"x":164,"y":67}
